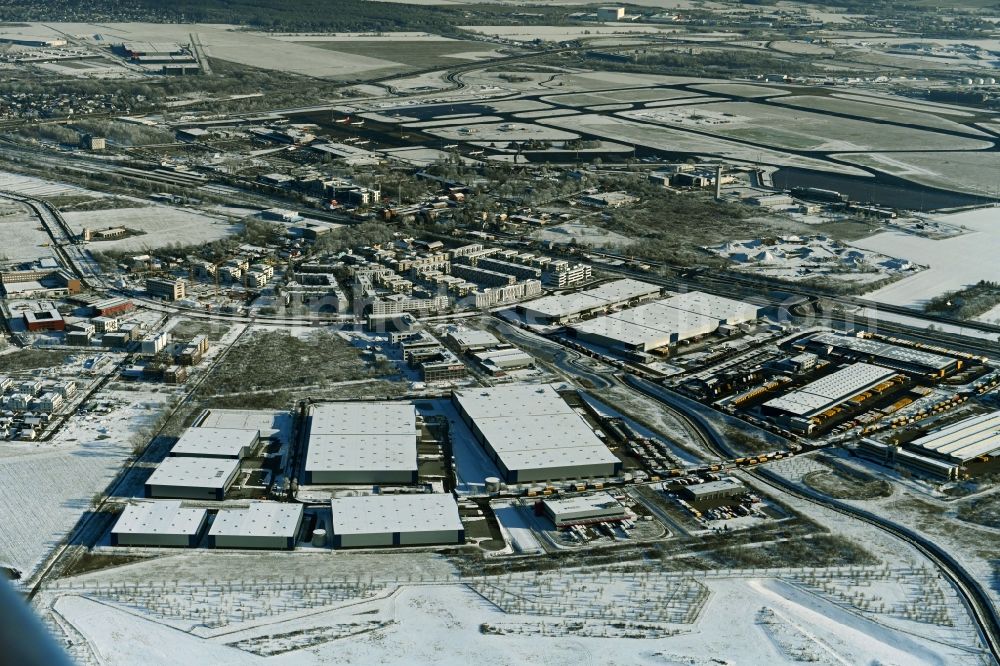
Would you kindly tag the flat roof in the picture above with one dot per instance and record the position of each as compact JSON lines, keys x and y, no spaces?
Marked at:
{"x":363,"y":436}
{"x":580,"y":503}
{"x":831,"y":390}
{"x":530,"y":426}
{"x":606,"y":295}
{"x":722,"y":485}
{"x":159,"y":517}
{"x":472,"y":337}
{"x":42,"y":315}
{"x":261,"y":519}
{"x":668,"y":320}
{"x":381,"y":514}
{"x":194,"y":472}
{"x":269,"y":423}
{"x":965,"y":440}
{"x":364,"y":418}
{"x":214,"y":442}
{"x":884,"y":350}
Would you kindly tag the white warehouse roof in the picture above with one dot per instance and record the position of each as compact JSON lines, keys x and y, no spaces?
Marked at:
{"x":471,"y":337}
{"x":667,"y":321}
{"x":215,"y":442}
{"x":606,"y":295}
{"x":260,"y":519}
{"x":530,"y":427}
{"x":381,"y":514}
{"x":269,"y":423}
{"x":831,"y":390}
{"x":965,"y":440}
{"x":163,"y":517}
{"x":358,"y":436}
{"x":194,"y":472}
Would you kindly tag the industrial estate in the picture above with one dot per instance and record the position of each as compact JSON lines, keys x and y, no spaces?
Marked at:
{"x":409,"y":333}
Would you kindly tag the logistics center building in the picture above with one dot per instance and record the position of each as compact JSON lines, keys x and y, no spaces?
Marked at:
{"x":193,"y":478}
{"x":831,"y":391}
{"x":271,"y":525}
{"x":216,"y":443}
{"x":665,"y":322}
{"x":559,"y":309}
{"x":158,"y":523}
{"x":362,"y":443}
{"x":905,"y":359}
{"x":396,"y":520}
{"x":532,"y":434}
{"x":963,"y":441}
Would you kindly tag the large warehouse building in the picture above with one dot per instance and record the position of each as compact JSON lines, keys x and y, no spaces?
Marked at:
{"x":270,"y":525}
{"x":396,"y":520}
{"x":193,"y":478}
{"x":666,"y":322}
{"x":567,"y":307}
{"x":362,"y":443}
{"x":532,"y":434}
{"x":963,"y":441}
{"x":830,"y":392}
{"x":216,"y":443}
{"x":854,"y":348}
{"x":158,"y":523}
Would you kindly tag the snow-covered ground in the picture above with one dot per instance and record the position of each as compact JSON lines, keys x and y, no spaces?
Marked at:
{"x":48,"y":486}
{"x":575,"y":618}
{"x":160,"y":226}
{"x":954,"y":262}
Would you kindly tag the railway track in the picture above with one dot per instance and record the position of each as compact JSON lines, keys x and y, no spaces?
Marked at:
{"x":972,"y":593}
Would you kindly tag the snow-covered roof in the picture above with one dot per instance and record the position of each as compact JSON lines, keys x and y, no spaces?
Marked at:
{"x":221,"y":442}
{"x":831,"y":390}
{"x":530,"y":426}
{"x":382,"y":514}
{"x":355,"y":436}
{"x":965,"y":440}
{"x":258,"y":519}
{"x":159,"y":517}
{"x":268,"y":422}
{"x":194,"y":472}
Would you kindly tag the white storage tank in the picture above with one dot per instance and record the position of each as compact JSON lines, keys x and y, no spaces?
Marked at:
{"x":319,"y":537}
{"x":492,"y":484}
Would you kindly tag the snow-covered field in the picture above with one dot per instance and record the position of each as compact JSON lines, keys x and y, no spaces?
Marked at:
{"x":39,"y":187}
{"x":24,"y":238}
{"x":230,"y":43}
{"x":48,"y":486}
{"x":954,"y":262}
{"x":583,"y":618}
{"x":162,"y":225}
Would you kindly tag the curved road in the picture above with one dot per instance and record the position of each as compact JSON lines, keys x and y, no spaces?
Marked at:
{"x":976,"y":599}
